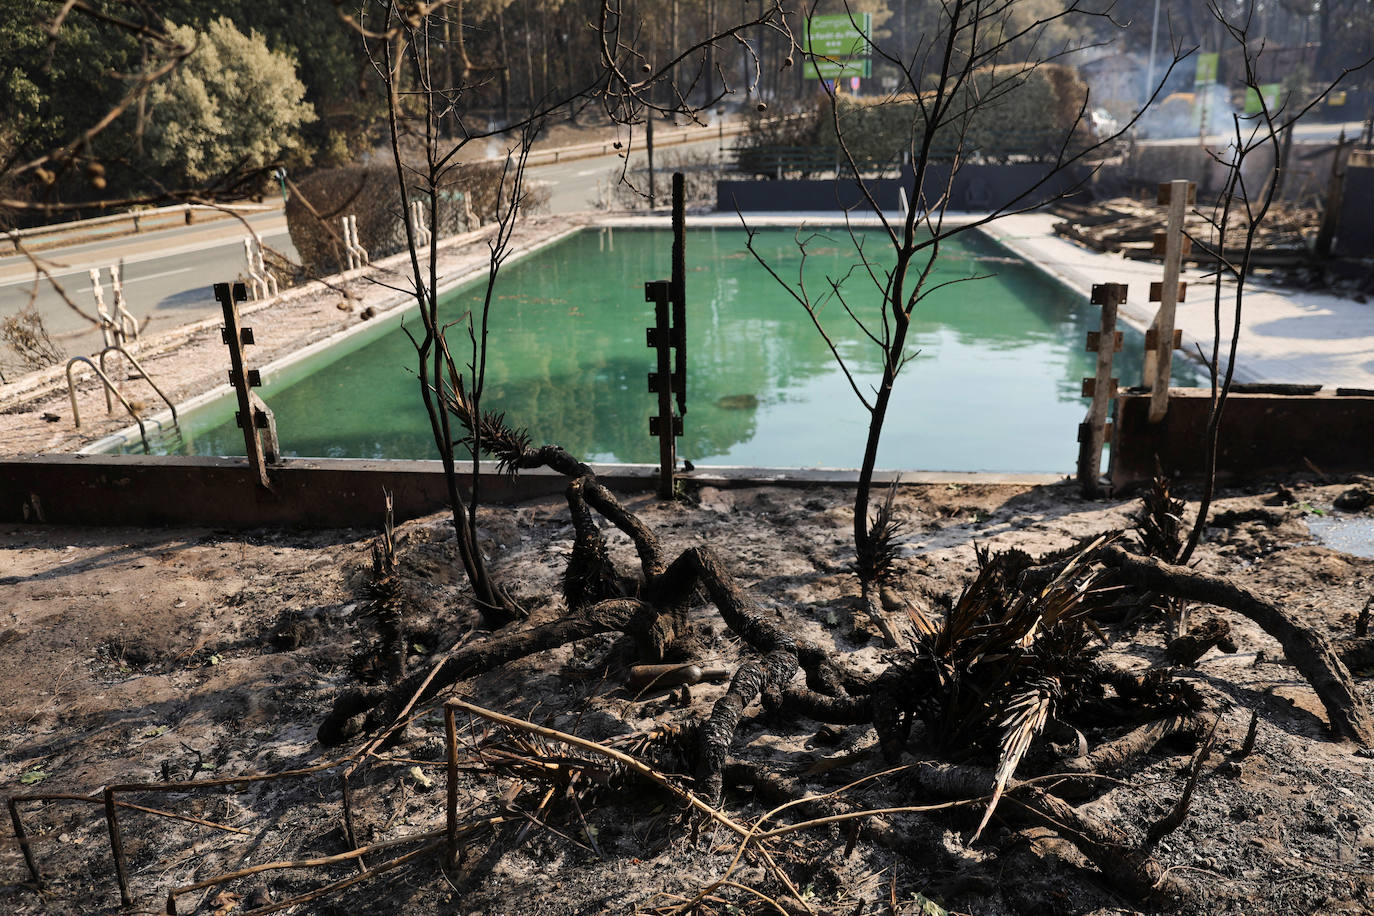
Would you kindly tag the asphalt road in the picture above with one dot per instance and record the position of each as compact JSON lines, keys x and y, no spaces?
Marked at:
{"x":168,"y":276}
{"x":168,"y":272}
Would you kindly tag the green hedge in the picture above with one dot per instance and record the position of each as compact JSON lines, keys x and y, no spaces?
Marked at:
{"x":1002,"y":112}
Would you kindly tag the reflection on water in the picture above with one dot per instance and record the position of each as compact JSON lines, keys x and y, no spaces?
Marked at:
{"x":1348,"y":534}
{"x":993,"y":383}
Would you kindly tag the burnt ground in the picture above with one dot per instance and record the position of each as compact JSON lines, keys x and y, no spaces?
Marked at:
{"x":137,"y":655}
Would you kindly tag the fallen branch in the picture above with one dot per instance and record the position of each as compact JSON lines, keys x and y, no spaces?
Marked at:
{"x":620,"y":757}
{"x":1171,"y":821}
{"x":360,"y":711}
{"x":1131,"y":869}
{"x":1310,"y":652}
{"x":316,"y":862}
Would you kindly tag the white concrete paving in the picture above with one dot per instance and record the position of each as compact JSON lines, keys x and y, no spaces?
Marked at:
{"x":1286,"y":335}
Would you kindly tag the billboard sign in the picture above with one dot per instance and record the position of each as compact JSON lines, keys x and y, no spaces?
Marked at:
{"x":837,"y":46}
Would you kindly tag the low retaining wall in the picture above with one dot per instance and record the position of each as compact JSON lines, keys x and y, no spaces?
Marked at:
{"x":976,"y":187}
{"x":334,"y":492}
{"x":1261,"y":434}
{"x":223,"y":492}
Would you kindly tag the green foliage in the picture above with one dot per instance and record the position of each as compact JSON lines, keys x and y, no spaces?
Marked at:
{"x":330,"y":64}
{"x":33,"y":777}
{"x":1004,"y":111}
{"x":51,"y":89}
{"x":233,"y":106}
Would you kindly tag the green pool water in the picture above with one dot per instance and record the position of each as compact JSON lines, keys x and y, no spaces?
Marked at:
{"x":993,"y":385}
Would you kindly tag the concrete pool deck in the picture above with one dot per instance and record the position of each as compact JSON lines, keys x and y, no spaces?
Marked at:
{"x":1291,"y":336}
{"x":1286,"y":335}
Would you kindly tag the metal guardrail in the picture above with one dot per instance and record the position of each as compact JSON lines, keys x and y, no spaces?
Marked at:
{"x":662,"y":138}
{"x":134,"y":217}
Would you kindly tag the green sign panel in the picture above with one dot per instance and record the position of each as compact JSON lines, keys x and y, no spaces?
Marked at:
{"x":837,"y":46}
{"x":1206,"y":68}
{"x":1271,"y":98}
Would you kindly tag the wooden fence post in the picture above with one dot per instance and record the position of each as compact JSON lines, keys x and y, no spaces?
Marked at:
{"x":1161,"y":338}
{"x":1093,"y":431}
{"x":253,"y":415}
{"x":668,"y":337}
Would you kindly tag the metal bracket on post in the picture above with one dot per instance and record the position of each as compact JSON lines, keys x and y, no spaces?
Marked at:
{"x":1177,"y":195}
{"x":1094,"y":430}
{"x":668,"y":337}
{"x":252,"y":414}
{"x":679,"y":292}
{"x":666,"y":425}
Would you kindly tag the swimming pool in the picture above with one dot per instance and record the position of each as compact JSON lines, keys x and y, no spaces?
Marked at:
{"x":993,"y":385}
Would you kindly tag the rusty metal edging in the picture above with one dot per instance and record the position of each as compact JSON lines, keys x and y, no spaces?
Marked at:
{"x":140,"y":490}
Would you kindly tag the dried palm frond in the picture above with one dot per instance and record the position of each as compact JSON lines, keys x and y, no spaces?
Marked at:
{"x":1025,"y":718}
{"x":921,"y":622}
{"x":534,"y":759}
{"x":1160,"y":521}
{"x":1003,"y":659}
{"x":505,"y":443}
{"x":875,"y":558}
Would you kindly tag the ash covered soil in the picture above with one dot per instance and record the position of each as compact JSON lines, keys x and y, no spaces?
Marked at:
{"x":149,"y":656}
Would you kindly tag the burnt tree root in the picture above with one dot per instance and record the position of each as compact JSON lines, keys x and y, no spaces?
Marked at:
{"x":1311,"y":653}
{"x":360,"y":711}
{"x":767,"y":672}
{"x":1116,"y":755}
{"x":597,"y":597}
{"x":1129,"y":868}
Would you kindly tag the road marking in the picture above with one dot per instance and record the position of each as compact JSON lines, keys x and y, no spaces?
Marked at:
{"x":165,"y":273}
{"x":127,"y":280}
{"x":89,"y":260}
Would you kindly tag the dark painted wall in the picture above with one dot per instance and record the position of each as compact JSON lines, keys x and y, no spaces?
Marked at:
{"x":1261,"y":434}
{"x":1355,"y":232}
{"x":976,"y":187}
{"x":311,"y":493}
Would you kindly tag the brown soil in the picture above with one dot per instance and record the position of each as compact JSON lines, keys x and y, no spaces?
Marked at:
{"x":138,"y":655}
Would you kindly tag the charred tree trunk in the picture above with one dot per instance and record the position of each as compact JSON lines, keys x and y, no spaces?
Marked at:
{"x":1310,"y":652}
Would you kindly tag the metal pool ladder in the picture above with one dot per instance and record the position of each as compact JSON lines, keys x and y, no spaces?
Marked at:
{"x":109,"y":386}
